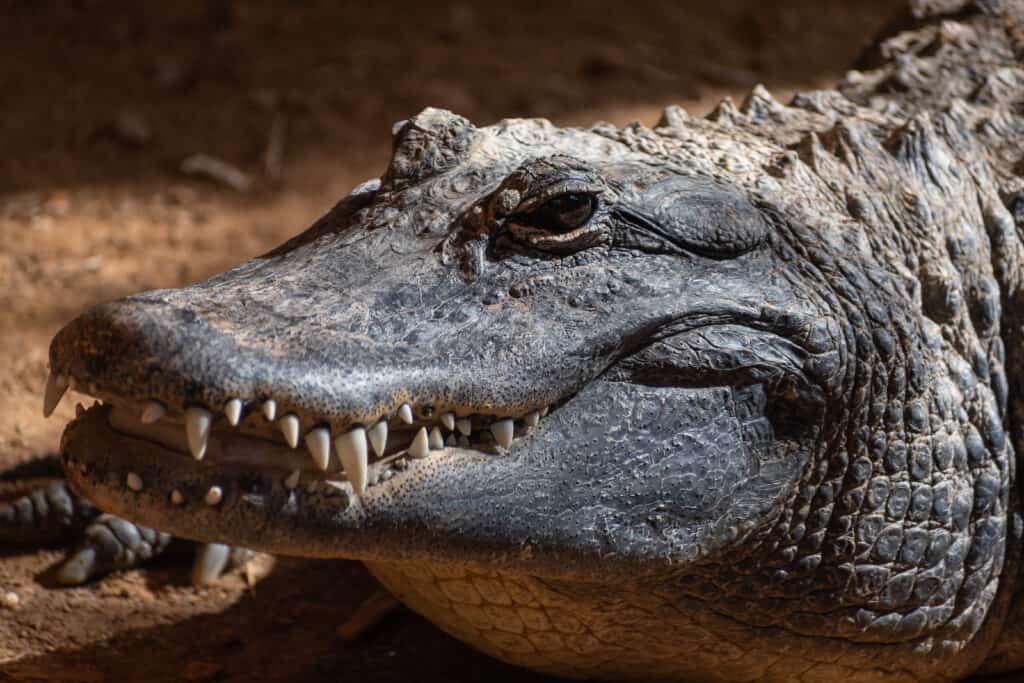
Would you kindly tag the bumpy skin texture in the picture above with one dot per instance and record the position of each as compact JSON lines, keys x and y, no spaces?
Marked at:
{"x":781,"y":444}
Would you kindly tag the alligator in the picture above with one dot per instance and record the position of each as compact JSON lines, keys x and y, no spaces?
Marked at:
{"x":725,"y":399}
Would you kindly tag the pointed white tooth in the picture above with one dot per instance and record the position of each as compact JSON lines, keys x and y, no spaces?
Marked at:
{"x":405,"y":413}
{"x":544,"y":411}
{"x":292,"y":480}
{"x":270,"y":409}
{"x":176,"y":497}
{"x":197,"y":430}
{"x":214,"y":495}
{"x":56,"y":385}
{"x":448,"y":420}
{"x":532,"y":419}
{"x":502,"y":431}
{"x":419,"y":447}
{"x":464,"y":425}
{"x":152,"y":412}
{"x":451,"y":441}
{"x":436,"y":441}
{"x":318,"y":442}
{"x":289,"y":425}
{"x":378,"y":436}
{"x":233,"y":411}
{"x":133,"y":481}
{"x":352,"y":452}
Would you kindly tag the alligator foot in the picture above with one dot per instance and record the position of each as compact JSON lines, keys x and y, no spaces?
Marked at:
{"x":43,"y":511}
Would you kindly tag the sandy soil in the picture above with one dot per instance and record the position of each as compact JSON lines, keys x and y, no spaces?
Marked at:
{"x":101,"y":104}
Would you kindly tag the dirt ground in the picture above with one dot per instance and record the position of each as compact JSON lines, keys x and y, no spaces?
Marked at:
{"x":101,"y":103}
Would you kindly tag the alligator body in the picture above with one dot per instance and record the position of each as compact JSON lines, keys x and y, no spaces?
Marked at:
{"x":734,"y":398}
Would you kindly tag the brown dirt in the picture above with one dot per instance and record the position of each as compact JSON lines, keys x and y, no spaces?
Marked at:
{"x":102,"y":101}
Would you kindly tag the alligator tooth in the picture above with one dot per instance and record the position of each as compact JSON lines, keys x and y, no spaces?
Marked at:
{"x":450,"y":441}
{"x":214,"y":495}
{"x":292,"y":480}
{"x":176,"y":497}
{"x":405,"y":413}
{"x":290,"y":428}
{"x":436,"y":441}
{"x":448,"y":420}
{"x":502,"y":431}
{"x":152,"y":412}
{"x":133,"y":481}
{"x":318,"y":442}
{"x":233,"y":411}
{"x":197,"y":430}
{"x":532,"y":419}
{"x":418,"y":448}
{"x":544,"y":411}
{"x":464,"y":425}
{"x":378,"y":436}
{"x":352,"y":452}
{"x":56,"y":385}
{"x":270,"y":409}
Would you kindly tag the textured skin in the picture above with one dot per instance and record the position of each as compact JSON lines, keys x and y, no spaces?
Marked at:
{"x":782,"y":443}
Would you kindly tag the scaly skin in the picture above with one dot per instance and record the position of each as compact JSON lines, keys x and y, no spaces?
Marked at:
{"x":773,"y":344}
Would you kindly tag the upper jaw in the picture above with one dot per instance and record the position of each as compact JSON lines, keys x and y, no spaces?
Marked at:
{"x":348,"y":400}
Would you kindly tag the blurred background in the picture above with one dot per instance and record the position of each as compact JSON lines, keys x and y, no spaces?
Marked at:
{"x":151,"y":144}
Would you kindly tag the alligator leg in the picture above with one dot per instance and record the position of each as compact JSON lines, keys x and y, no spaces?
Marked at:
{"x":51,"y":514}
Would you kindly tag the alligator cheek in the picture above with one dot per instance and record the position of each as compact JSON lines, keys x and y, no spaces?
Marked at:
{"x":649,"y":476}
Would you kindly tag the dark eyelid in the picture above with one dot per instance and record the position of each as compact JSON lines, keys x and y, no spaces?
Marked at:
{"x":549,"y":192}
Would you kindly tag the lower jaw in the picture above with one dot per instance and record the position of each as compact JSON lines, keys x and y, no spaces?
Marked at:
{"x":239,"y":501}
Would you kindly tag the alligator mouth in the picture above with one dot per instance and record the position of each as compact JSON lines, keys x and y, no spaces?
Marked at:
{"x":302,"y":452}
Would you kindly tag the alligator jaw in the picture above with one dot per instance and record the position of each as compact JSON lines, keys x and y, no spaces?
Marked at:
{"x":147,"y":471}
{"x":350,"y":458}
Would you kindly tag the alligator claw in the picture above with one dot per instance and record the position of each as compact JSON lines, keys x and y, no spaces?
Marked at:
{"x":77,"y":568}
{"x":211,"y":561}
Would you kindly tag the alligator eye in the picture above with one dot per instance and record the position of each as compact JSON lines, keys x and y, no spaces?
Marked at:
{"x":563,"y":213}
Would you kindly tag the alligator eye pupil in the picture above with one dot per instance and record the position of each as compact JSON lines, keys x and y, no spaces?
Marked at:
{"x":565,"y":212}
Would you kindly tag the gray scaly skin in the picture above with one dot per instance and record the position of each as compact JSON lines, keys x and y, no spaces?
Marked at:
{"x":754,"y":365}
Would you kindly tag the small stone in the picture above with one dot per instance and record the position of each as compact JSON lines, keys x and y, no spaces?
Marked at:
{"x":10,"y":600}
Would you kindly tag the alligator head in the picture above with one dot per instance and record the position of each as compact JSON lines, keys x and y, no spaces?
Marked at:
{"x":602,"y":402}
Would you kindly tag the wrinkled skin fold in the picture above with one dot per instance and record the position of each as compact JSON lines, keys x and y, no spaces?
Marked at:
{"x":731,"y":393}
